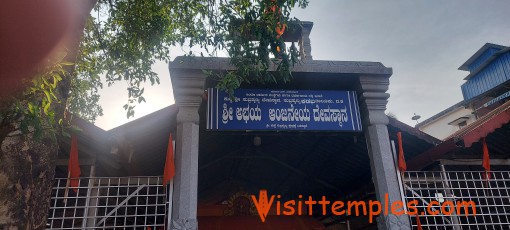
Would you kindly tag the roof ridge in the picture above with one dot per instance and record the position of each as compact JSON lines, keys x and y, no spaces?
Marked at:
{"x":480,"y":121}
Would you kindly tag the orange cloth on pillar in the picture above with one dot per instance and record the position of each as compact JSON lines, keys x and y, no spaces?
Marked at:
{"x":418,"y":223}
{"x":486,"y":163}
{"x":401,"y":160}
{"x":74,"y":166}
{"x":169,"y":172}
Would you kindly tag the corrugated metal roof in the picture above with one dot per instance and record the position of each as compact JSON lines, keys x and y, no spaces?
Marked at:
{"x":493,"y":73}
{"x":478,"y":53}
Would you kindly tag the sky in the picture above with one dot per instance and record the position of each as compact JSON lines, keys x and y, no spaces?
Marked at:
{"x":424,"y":41}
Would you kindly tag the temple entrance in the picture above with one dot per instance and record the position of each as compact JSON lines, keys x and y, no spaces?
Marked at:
{"x":340,"y":151}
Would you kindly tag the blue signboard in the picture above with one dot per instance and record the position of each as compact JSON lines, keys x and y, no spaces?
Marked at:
{"x":291,"y":110}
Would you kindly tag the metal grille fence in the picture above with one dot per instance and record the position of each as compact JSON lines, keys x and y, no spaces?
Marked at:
{"x":492,"y":199}
{"x":108,"y":203}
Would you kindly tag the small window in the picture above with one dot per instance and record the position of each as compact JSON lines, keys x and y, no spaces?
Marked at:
{"x":461,"y":121}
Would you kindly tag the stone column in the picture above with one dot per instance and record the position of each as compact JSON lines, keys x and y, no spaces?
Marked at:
{"x":188,"y":90}
{"x":305,"y":43}
{"x":373,"y":102}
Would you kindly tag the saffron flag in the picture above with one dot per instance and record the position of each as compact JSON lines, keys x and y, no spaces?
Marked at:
{"x":418,"y":223}
{"x":74,"y":166}
{"x":169,"y":172}
{"x":401,"y":160}
{"x":486,"y":160}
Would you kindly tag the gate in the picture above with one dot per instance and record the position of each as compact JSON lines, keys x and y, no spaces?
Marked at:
{"x":443,"y":192}
{"x":108,"y":203}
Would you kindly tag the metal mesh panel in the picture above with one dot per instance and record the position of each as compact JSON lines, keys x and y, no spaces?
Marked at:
{"x":108,"y":203}
{"x":492,"y":199}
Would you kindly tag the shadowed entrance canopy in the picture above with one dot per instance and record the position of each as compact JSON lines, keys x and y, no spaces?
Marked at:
{"x":335,"y":165}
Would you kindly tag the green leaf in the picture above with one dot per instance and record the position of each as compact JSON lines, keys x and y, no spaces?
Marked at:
{"x":54,"y":96}
{"x":48,"y":97}
{"x":46,"y":108}
{"x":56,"y":77}
{"x":31,"y":108}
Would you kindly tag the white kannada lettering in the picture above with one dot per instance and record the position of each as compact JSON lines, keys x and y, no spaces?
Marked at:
{"x":249,"y":114}
{"x":289,"y":114}
{"x":330,"y":115}
{"x":227,"y":114}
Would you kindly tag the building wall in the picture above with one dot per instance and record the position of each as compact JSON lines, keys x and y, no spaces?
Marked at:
{"x":440,"y":129}
{"x":494,"y":74}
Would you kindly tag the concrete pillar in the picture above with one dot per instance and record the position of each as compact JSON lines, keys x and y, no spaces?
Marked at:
{"x":373,"y":102}
{"x":304,"y":42}
{"x":188,"y":90}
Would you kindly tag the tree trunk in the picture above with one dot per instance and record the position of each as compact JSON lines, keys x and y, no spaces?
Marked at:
{"x":27,"y":168}
{"x":27,"y":165}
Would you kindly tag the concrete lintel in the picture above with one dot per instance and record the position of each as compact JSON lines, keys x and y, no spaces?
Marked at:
{"x":309,"y":66}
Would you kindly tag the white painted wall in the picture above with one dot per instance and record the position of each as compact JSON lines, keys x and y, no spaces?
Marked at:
{"x":440,"y":129}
